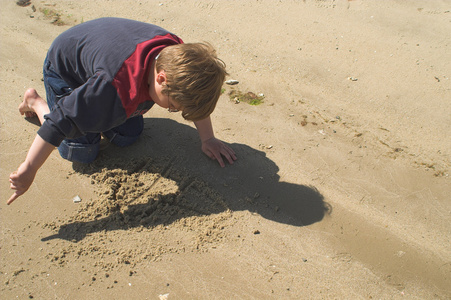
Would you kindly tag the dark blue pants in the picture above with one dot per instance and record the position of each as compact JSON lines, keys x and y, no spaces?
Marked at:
{"x":86,"y":148}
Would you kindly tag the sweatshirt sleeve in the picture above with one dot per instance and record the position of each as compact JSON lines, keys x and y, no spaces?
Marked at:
{"x":93,"y":107}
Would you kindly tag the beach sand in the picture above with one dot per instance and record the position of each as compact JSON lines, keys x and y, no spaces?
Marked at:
{"x":341,"y":189}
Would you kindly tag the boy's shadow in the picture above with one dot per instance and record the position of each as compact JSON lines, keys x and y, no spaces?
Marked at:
{"x":173,"y":150}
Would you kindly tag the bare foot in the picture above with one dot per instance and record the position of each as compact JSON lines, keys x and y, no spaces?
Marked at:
{"x":26,"y":107}
{"x":33,"y":104}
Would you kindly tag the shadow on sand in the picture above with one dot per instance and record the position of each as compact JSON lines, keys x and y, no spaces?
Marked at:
{"x":172,"y":151}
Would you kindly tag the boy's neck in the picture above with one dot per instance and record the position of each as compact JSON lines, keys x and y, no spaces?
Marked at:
{"x":151,"y":80}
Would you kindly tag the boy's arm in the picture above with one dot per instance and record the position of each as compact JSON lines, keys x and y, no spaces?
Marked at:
{"x":22,"y":179}
{"x":211,"y":146}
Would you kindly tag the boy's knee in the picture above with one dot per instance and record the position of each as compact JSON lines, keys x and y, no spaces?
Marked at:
{"x":75,"y":152}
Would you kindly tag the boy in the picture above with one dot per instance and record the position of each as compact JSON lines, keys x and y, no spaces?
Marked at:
{"x":102,"y":75}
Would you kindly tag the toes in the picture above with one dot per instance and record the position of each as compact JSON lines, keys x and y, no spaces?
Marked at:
{"x":30,"y":114}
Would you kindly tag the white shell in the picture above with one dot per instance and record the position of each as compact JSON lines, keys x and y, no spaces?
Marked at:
{"x":232,"y":82}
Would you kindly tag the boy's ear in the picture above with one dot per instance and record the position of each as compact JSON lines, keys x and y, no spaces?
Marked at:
{"x":161,"y":77}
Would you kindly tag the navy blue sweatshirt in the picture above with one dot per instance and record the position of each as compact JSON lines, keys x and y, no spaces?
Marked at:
{"x":106,"y":62}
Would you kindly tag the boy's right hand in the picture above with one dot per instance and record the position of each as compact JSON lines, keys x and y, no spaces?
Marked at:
{"x":21,"y":180}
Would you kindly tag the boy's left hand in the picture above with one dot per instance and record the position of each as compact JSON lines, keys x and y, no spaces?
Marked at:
{"x":216,"y":149}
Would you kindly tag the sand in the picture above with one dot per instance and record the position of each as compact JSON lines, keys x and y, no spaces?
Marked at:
{"x":341,"y":189}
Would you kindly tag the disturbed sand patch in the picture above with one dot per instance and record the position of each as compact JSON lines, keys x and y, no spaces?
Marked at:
{"x":142,"y":211}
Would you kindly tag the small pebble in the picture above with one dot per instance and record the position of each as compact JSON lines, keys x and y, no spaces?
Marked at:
{"x":76,"y":199}
{"x":164,"y":297}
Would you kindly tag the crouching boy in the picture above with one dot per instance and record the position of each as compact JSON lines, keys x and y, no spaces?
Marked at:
{"x":101,"y":76}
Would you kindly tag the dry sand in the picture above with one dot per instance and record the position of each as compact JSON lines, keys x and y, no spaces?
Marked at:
{"x":342,"y":186}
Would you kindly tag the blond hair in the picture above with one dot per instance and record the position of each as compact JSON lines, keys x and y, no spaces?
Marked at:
{"x":194,"y":75}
